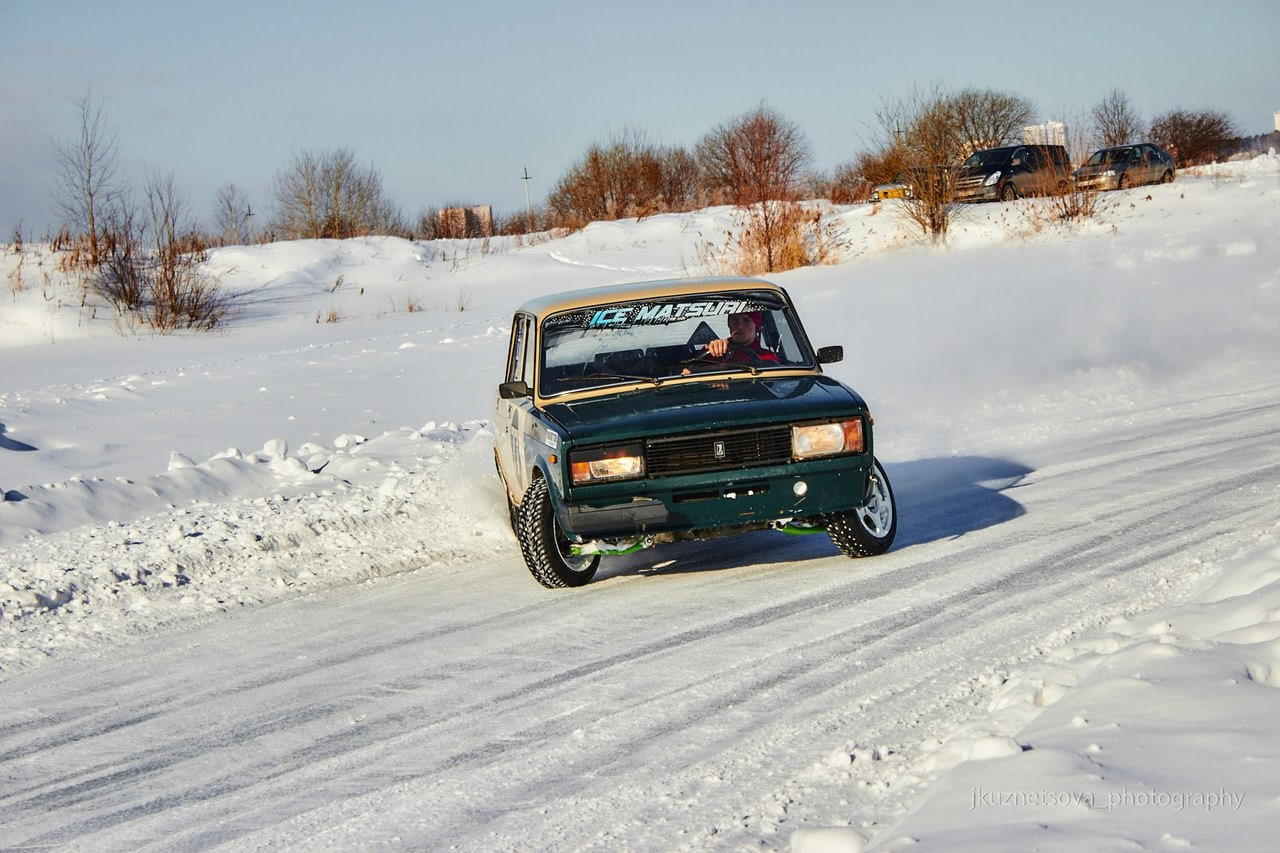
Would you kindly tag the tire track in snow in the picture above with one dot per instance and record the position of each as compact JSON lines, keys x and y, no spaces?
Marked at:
{"x":793,"y":638}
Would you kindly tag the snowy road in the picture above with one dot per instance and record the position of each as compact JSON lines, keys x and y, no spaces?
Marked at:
{"x":703,"y":696}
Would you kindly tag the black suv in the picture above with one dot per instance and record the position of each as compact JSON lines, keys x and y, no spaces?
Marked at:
{"x":1013,"y":171}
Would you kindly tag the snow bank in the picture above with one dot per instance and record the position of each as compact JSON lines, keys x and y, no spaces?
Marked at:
{"x":132,"y":506}
{"x":1156,"y":733}
{"x":250,"y":529}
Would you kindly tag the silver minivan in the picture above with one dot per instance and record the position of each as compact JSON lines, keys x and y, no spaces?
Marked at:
{"x":1125,"y":166}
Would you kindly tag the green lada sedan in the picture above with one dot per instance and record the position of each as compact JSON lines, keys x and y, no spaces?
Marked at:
{"x":638,"y":414}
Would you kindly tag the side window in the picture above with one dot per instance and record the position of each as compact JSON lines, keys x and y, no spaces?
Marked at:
{"x":516,"y":355}
{"x":530,"y":359}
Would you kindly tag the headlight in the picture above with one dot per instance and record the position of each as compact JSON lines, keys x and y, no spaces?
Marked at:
{"x":1110,"y":173}
{"x":616,"y":462}
{"x":828,"y":439}
{"x":992,"y":180}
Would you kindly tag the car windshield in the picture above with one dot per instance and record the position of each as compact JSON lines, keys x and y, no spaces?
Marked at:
{"x":654,"y":340}
{"x":992,"y":157}
{"x":1108,"y":155}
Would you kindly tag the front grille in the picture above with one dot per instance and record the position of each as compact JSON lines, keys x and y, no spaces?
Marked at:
{"x":721,"y":450}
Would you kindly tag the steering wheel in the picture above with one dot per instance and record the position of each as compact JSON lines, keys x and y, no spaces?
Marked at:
{"x":753,"y":355}
{"x":703,"y":357}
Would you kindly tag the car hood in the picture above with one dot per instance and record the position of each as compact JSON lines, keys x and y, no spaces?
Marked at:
{"x":984,"y":171}
{"x":689,"y":407}
{"x":1100,"y":168}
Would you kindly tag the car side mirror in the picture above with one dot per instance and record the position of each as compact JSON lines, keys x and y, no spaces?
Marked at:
{"x":830,"y":355}
{"x":511,"y":390}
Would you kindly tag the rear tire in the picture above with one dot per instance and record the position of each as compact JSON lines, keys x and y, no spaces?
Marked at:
{"x":545,"y":548}
{"x":868,"y":530}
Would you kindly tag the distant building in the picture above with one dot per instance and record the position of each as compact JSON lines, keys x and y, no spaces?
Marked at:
{"x":460,"y":222}
{"x":1277,"y":119}
{"x":1049,"y":133}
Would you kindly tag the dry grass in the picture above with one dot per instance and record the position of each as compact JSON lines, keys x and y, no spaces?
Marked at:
{"x":466,"y":296}
{"x":780,"y":236}
{"x":16,"y":284}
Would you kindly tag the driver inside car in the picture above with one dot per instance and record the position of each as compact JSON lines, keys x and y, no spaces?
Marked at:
{"x":743,"y":344}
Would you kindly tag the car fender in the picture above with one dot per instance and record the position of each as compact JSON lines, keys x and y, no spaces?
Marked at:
{"x":539,"y":443}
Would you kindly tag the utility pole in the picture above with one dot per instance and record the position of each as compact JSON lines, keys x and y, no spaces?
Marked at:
{"x":528,"y":211}
{"x":248,"y":221}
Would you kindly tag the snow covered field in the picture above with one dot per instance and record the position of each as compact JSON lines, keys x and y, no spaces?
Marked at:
{"x":257,"y":588}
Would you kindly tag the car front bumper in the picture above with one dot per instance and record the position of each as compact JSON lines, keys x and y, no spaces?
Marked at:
{"x":1096,"y":182}
{"x":977,"y":192}
{"x":692,"y":503}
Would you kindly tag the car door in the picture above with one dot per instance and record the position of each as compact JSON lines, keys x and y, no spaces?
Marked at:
{"x":1137,"y":170}
{"x":513,"y":415}
{"x":1027,"y":175}
{"x":1151,"y":165}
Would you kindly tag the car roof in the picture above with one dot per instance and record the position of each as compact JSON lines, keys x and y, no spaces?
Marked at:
{"x":1130,"y":145}
{"x":552,"y":303}
{"x":1016,"y":146}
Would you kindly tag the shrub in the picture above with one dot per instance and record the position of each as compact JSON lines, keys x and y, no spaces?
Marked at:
{"x":779,"y":236}
{"x":1193,"y":138}
{"x":625,"y":177}
{"x":158,"y":283}
{"x":757,"y":157}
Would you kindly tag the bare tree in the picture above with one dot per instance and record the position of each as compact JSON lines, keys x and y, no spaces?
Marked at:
{"x":330,"y":195}
{"x":679,"y":179}
{"x":848,"y":184}
{"x":921,"y":142}
{"x":231,"y":215}
{"x":1074,"y":202}
{"x":1193,"y":137}
{"x":758,"y":162}
{"x":120,"y":275}
{"x":180,"y":295}
{"x":150,"y":261}
{"x":297,"y":197}
{"x":86,"y":183}
{"x":756,"y":157}
{"x":1115,"y":121}
{"x":985,"y":118}
{"x":626,"y":176}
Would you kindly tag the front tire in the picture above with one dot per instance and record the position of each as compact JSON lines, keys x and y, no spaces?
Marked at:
{"x":545,"y":548}
{"x":868,"y":530}
{"x":1008,"y":192}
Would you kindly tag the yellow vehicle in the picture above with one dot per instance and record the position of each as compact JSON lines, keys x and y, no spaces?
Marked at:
{"x":898,"y":188}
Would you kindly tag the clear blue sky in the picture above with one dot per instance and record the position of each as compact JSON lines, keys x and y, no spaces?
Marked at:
{"x":451,"y":101}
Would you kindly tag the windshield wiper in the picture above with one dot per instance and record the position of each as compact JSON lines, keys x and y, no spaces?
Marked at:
{"x":701,"y":365}
{"x":590,"y":376}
